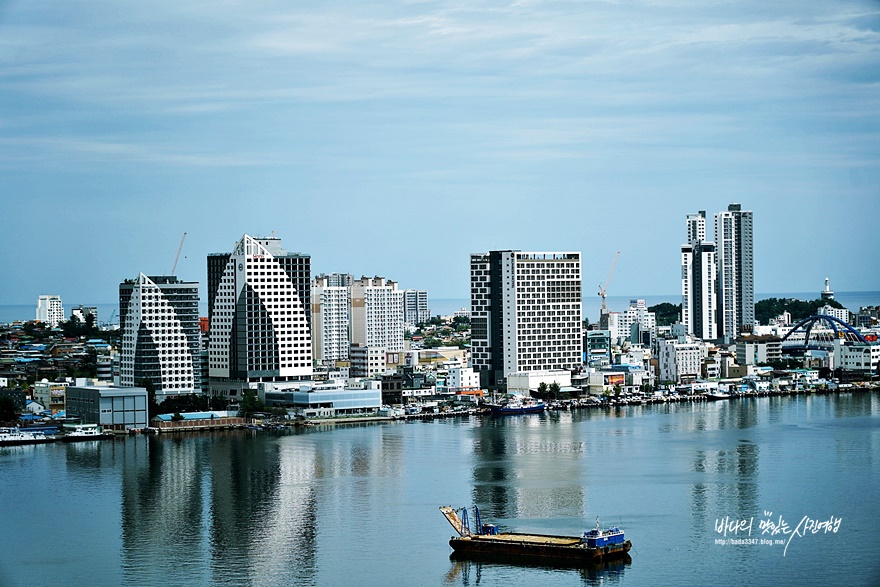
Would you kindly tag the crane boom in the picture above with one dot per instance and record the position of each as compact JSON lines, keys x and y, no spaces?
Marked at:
{"x":177,"y":257}
{"x":602,"y":290}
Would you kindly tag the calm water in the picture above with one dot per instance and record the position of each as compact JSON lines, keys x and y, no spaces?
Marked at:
{"x":852,"y":300}
{"x":359,"y":505}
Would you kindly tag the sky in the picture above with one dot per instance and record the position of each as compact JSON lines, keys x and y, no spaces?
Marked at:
{"x":395,"y":138}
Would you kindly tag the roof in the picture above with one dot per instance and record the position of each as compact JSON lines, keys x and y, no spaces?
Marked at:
{"x":191,"y":416}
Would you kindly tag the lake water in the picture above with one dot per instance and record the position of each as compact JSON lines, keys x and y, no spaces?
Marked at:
{"x":358,"y":505}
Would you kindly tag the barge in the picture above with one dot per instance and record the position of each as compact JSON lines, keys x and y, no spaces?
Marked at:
{"x":485,"y":541}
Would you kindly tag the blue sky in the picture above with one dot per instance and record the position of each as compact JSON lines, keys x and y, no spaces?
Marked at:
{"x":395,"y":138}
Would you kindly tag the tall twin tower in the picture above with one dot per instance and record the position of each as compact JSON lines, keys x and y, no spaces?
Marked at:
{"x":717,"y":277}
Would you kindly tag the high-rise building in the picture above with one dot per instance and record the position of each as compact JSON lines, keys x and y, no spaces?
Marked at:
{"x":415,"y":306}
{"x":736,"y":277}
{"x":50,"y":311}
{"x":699,"y":274}
{"x":159,"y":319}
{"x":259,"y":299}
{"x":330,"y":317}
{"x":525,"y":313}
{"x":377,"y":313}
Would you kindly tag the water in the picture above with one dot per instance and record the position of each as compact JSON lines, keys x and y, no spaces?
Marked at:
{"x":447,"y":306}
{"x":359,"y":504}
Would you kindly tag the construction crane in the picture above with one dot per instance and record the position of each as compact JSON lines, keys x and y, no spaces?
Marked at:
{"x":602,"y":290}
{"x":176,"y":258}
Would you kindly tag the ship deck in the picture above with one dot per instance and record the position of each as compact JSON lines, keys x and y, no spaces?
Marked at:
{"x":531,"y":538}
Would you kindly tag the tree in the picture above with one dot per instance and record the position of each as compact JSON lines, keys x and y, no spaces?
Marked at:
{"x":666,"y":313}
{"x":554,"y":390}
{"x":152,"y":406}
{"x":542,"y":390}
{"x":250,"y":404}
{"x":177,"y":417}
{"x":8,"y":412}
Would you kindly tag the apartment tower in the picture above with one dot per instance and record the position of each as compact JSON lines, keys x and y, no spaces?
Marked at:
{"x":159,"y":319}
{"x":259,"y":299}
{"x":331,"y":318}
{"x":736,"y":277}
{"x":699,"y":280}
{"x":525,"y":313}
{"x":377,"y":313}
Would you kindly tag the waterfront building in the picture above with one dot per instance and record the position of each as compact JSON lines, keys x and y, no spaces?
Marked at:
{"x":861,"y":358}
{"x":366,"y":361}
{"x":50,"y":310}
{"x":736,"y":277}
{"x":679,"y":360}
{"x":259,"y":300}
{"x":331,"y":319}
{"x":460,"y":378}
{"x":326,"y":399}
{"x":525,"y":313}
{"x":377,"y":313}
{"x":161,"y":341}
{"x":415,"y":306}
{"x":758,"y":350}
{"x":524,"y":382}
{"x":115,"y":408}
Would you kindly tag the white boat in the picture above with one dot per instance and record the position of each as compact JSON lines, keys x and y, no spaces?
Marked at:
{"x":17,"y":436}
{"x":81,"y":432}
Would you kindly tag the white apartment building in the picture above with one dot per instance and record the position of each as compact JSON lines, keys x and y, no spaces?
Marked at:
{"x":525,"y":313}
{"x":331,"y":318}
{"x":620,"y":324}
{"x":863,"y":358}
{"x":679,"y":361}
{"x":50,"y":310}
{"x":758,"y":350}
{"x":462,"y":378}
{"x":736,"y":277}
{"x":259,"y":300}
{"x":415,"y":306}
{"x":161,"y":341}
{"x":377,"y":313}
{"x":839,"y":313}
{"x":699,"y":273}
{"x":81,"y":313}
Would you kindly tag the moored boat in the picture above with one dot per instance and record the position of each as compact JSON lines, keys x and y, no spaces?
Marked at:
{"x":593,"y":547}
{"x":516,"y":405}
{"x":83,"y":432}
{"x":17,"y":437}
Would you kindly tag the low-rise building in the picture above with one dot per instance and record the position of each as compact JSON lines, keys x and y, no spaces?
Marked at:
{"x":679,"y":360}
{"x":117,"y":408}
{"x":52,"y":394}
{"x":758,"y":350}
{"x":524,"y":381}
{"x":366,"y":361}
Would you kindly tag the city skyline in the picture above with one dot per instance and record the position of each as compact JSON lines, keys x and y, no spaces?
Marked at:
{"x":399,"y":139}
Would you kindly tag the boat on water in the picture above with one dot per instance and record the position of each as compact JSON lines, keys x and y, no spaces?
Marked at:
{"x":716,"y":395}
{"x":593,"y":547}
{"x":83,"y":432}
{"x":516,"y":405}
{"x":18,"y":437}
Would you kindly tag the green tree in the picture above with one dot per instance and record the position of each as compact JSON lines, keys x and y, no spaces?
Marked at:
{"x":666,"y":313}
{"x":554,"y":390}
{"x":542,"y":390}
{"x":177,"y":417}
{"x":250,"y":404}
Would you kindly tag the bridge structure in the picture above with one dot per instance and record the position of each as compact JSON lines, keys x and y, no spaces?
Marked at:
{"x":819,"y":333}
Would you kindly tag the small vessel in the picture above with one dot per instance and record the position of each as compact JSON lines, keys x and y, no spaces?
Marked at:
{"x":593,"y":547}
{"x":516,"y":405}
{"x":17,"y":437}
{"x":716,"y":395}
{"x":83,"y":432}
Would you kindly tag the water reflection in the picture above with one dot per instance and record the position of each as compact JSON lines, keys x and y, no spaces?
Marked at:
{"x":473,"y":571}
{"x":528,"y":467}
